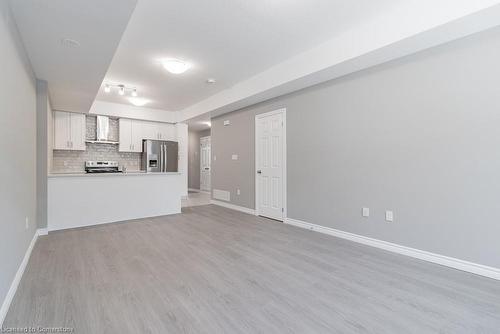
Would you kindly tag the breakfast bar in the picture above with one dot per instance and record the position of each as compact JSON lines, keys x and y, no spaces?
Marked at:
{"x":79,"y":199}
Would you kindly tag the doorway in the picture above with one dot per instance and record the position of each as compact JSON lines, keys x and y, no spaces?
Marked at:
{"x":270,"y":164}
{"x":205,"y":168}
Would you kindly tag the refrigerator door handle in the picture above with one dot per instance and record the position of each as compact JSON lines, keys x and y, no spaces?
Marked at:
{"x":164,"y":157}
{"x":161,"y":158}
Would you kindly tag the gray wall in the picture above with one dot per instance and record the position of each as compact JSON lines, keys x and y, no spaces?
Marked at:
{"x":419,"y":136}
{"x":17,"y":149}
{"x":194,"y":157}
{"x":42,"y":118}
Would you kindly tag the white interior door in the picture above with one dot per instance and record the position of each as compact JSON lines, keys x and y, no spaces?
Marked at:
{"x":270,"y":164}
{"x":205,"y":164}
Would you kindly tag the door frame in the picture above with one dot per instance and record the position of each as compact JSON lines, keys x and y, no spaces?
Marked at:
{"x":210,"y":190}
{"x":284,"y":152}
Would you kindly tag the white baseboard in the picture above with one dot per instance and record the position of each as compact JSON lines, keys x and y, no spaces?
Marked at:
{"x":234,"y":207}
{"x":199,"y":191}
{"x":43,"y":231}
{"x":19,"y":275}
{"x":467,"y":266}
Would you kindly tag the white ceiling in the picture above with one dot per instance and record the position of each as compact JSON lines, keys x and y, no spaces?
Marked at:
{"x":229,"y":40}
{"x":74,"y":74}
{"x":256,"y":50}
{"x":410,"y":27}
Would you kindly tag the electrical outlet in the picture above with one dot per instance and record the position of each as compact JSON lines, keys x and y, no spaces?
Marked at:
{"x":234,"y":157}
{"x":27,"y":223}
{"x":366,"y":212}
{"x":238,"y":192}
{"x":389,"y":216}
{"x":215,"y":157}
{"x":227,"y":122}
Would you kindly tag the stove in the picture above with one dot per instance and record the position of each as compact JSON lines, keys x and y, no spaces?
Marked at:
{"x":102,"y":167}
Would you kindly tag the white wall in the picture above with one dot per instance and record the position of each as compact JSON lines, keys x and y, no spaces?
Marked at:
{"x":18,"y":150}
{"x":42,"y":138}
{"x":182,"y":138}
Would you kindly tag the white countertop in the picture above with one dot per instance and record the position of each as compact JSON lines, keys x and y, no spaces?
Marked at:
{"x":131,"y":173}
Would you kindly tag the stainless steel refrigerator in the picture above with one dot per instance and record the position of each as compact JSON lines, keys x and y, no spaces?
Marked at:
{"x":160,"y":156}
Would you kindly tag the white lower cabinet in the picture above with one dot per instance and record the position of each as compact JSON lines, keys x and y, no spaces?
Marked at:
{"x":69,"y":131}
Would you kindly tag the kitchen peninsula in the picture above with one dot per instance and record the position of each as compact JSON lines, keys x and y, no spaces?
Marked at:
{"x":76,"y":198}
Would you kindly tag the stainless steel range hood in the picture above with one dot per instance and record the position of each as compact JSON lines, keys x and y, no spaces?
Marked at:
{"x":102,"y":131}
{"x":102,"y":128}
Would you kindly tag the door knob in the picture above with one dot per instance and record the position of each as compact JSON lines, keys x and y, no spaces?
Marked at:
{"x":259,"y":172}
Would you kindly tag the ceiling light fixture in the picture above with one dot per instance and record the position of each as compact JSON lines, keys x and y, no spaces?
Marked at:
{"x":137,"y":101}
{"x":211,"y":81}
{"x":122,"y":89}
{"x":175,"y":66}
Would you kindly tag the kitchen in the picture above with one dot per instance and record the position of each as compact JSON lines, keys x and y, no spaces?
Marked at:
{"x":109,"y":168}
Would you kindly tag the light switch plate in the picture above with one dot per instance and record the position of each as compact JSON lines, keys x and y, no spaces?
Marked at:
{"x":389,"y":216}
{"x":238,"y":191}
{"x":234,"y":157}
{"x":366,"y":212}
{"x":227,"y":122}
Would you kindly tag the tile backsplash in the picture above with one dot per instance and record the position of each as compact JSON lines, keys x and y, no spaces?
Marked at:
{"x":74,"y":161}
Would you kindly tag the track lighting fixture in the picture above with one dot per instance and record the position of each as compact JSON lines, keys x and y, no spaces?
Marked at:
{"x":122,"y":89}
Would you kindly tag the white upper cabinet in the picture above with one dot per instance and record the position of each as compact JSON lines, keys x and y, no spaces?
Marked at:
{"x":137,"y":136}
{"x":62,"y":130}
{"x":131,"y":135}
{"x":69,"y":131}
{"x":149,"y":130}
{"x":78,"y":131}
{"x":158,"y":131}
{"x":166,"y":131}
{"x":125,"y":135}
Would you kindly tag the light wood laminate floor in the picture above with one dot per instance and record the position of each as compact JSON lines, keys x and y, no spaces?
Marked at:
{"x":214,"y":270}
{"x":196,"y":199}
